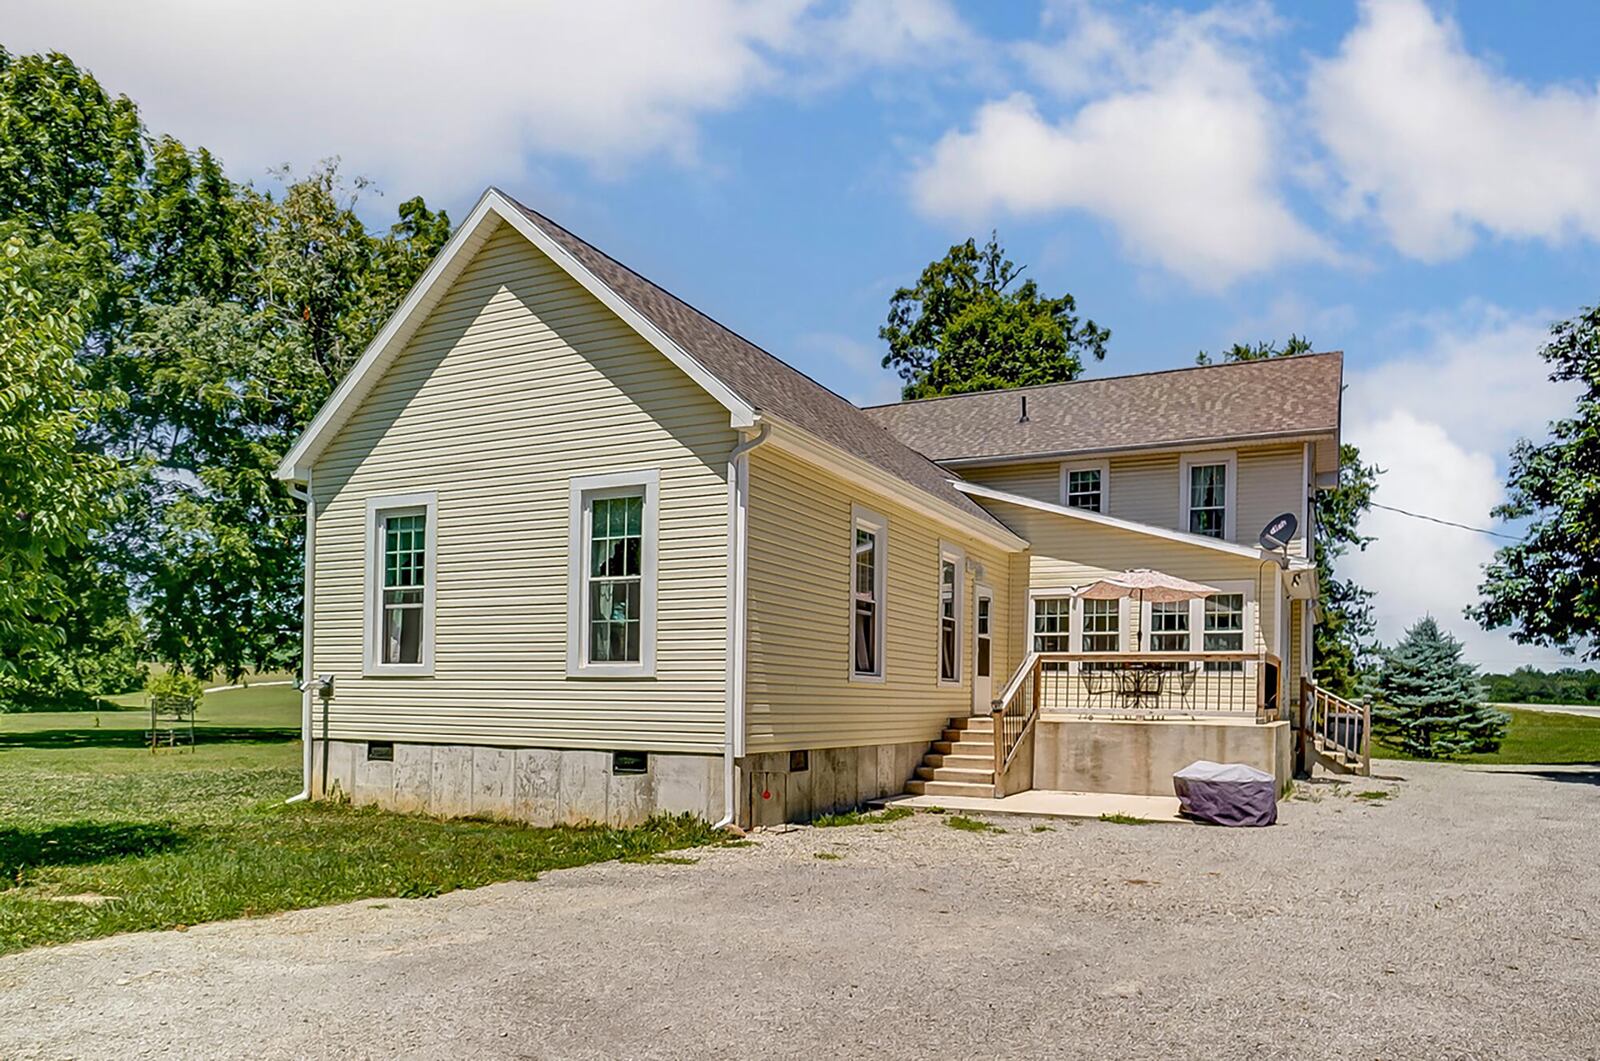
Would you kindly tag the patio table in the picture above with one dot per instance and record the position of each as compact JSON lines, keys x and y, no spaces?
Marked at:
{"x":1139,"y":682}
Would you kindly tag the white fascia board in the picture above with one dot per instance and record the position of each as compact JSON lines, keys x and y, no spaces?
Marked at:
{"x":1199,"y":540}
{"x":809,"y":447}
{"x":492,"y":208}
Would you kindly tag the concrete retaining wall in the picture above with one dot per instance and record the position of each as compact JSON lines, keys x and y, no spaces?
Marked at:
{"x":835,"y":779}
{"x":544,"y":786}
{"x":1140,"y":757}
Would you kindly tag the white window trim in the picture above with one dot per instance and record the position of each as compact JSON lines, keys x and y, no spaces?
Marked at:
{"x":581,"y":489}
{"x":1197,"y":618}
{"x":1230,"y":500}
{"x":371,"y":639}
{"x":957,"y":555}
{"x":1103,"y":467}
{"x":868,"y":520}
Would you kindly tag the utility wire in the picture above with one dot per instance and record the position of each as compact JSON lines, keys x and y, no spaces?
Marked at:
{"x":1448,"y":523}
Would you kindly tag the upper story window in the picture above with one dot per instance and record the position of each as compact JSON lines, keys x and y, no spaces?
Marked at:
{"x":612,"y":575}
{"x":1085,"y":486}
{"x":400,"y":555}
{"x":869,"y":561}
{"x":950,"y":578}
{"x":1208,"y":489}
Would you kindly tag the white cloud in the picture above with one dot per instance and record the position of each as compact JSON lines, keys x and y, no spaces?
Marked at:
{"x":1438,"y":144}
{"x":850,"y":367}
{"x":1439,"y":421}
{"x":445,"y":98}
{"x":1177,"y":146}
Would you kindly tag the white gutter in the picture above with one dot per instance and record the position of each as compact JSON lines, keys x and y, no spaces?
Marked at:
{"x":738,"y":519}
{"x":306,"y":663}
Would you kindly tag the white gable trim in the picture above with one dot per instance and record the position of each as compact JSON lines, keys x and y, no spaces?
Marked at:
{"x":492,"y":209}
{"x":1199,"y":540}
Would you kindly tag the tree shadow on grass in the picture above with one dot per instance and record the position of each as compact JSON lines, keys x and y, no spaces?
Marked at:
{"x":80,"y":843}
{"x":89,"y":737}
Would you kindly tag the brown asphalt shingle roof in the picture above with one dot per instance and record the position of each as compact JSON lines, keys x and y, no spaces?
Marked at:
{"x":761,"y":379}
{"x":1281,"y":397}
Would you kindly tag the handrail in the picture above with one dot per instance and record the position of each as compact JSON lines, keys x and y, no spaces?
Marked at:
{"x":1330,"y":723}
{"x":1013,"y":714}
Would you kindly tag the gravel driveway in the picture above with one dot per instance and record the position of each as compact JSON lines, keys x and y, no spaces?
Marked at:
{"x":1458,"y":918}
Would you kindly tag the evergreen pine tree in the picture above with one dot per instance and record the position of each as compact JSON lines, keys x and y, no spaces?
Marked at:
{"x":1430,"y":702}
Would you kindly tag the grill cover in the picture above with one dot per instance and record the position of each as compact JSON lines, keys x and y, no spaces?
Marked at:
{"x":1226,"y":793}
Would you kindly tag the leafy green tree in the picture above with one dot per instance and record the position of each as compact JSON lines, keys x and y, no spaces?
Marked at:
{"x":1430,"y":702}
{"x":965,"y":327}
{"x":1546,"y":588}
{"x":1345,"y":633}
{"x":53,"y":492}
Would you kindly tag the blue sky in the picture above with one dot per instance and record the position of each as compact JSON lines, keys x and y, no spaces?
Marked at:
{"x":1415,"y":183}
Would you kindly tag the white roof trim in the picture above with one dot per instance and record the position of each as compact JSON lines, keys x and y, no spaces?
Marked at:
{"x":1216,"y":544}
{"x":491,"y":209}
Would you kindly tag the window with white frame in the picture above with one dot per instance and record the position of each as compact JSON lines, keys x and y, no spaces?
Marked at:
{"x":1084,"y":486}
{"x":869,"y":561}
{"x":1100,"y":625}
{"x":1207,"y":489}
{"x":1223,"y":629}
{"x":612,"y":575}
{"x":1169,"y":626}
{"x":1052,"y":617}
{"x":950,"y":577}
{"x":400,"y":555}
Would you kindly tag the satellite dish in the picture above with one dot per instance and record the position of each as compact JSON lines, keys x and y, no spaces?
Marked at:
{"x":1276,"y":534}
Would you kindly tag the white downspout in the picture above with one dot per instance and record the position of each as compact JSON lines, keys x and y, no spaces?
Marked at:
{"x":733,"y":718}
{"x":306,"y":664}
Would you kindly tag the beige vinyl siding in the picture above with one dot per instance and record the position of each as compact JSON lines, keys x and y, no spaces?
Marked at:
{"x":1068,"y":552}
{"x":518,"y":381}
{"x":1146,"y":487}
{"x":1271,"y":482}
{"x":799,"y":692}
{"x":1038,"y":480}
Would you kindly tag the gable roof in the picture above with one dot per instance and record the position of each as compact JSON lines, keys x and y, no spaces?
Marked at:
{"x":745,"y":379}
{"x":1286,"y":397}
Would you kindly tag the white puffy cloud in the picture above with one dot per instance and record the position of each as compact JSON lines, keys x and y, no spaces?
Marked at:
{"x":1172,"y":140}
{"x":1439,"y":421}
{"x":1439,"y":145}
{"x":445,"y":98}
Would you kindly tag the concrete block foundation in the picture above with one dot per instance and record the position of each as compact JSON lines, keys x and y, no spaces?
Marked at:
{"x":833,"y":780}
{"x":542,"y":786}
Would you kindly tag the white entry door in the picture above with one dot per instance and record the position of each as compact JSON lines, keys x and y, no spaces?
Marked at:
{"x":983,"y":650}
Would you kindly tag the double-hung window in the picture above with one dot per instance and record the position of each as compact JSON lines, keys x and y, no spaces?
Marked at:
{"x":950,"y":579}
{"x":1208,"y":487}
{"x":400,"y":555}
{"x":868,"y":567}
{"x":1051,"y":619}
{"x":611,"y":606}
{"x":1100,"y":625}
{"x":1224,"y":628}
{"x":1084,"y":486}
{"x":1169,"y":626}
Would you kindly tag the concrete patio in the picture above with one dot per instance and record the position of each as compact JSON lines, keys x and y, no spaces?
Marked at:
{"x":1039,"y":803}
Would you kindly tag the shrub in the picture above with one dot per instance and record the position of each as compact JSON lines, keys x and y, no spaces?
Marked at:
{"x":178,"y":687}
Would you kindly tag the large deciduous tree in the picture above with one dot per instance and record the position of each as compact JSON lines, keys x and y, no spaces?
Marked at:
{"x":224,"y":315}
{"x":1546,"y":588}
{"x":968,"y":325}
{"x":1344,"y":638}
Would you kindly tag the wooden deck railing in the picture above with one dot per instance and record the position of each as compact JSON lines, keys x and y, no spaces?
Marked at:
{"x":1015,"y":711}
{"x":1334,"y":731}
{"x":1155,"y":684}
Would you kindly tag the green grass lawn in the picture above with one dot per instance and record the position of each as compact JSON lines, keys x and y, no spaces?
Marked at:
{"x":98,"y":835}
{"x":1533,"y":737}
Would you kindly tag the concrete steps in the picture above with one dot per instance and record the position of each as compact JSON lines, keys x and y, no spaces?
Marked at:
{"x":962,"y":764}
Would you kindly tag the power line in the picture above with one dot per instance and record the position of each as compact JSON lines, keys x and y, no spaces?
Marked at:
{"x":1448,"y":523}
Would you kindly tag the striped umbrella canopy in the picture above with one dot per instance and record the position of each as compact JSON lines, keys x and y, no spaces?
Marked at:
{"x":1157,"y":587}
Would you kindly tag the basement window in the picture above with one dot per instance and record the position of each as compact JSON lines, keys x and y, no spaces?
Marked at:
{"x":630,"y":763}
{"x":380,"y":751}
{"x":799,"y":762}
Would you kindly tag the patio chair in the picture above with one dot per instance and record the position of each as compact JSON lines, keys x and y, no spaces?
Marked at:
{"x":1184,"y":688}
{"x":1096,"y":684}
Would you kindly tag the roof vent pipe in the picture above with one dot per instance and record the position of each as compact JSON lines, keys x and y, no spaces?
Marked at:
{"x":1024,"y":417}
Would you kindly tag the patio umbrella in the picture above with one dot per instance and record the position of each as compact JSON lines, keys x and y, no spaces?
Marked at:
{"x":1157,"y":587}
